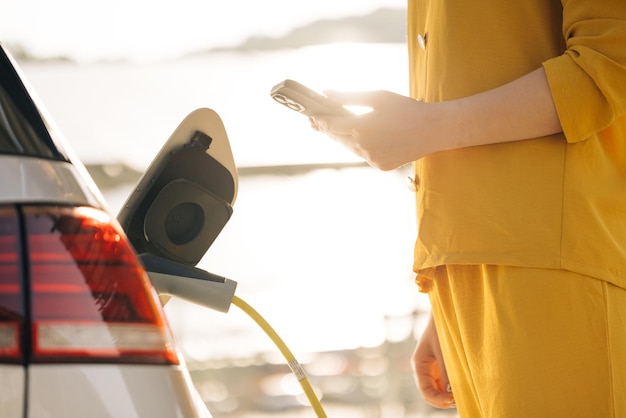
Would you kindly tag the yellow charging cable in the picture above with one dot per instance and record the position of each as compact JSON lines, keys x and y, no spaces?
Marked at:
{"x":296,"y":368}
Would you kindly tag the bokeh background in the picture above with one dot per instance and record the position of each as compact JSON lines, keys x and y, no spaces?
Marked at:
{"x":319,"y":243}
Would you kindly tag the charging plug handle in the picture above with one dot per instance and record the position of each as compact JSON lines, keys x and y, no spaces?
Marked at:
{"x":189,"y":283}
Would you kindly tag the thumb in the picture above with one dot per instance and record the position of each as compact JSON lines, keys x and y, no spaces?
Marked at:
{"x":354,"y":98}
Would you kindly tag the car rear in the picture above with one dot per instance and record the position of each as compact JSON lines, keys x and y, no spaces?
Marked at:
{"x":82,"y":332}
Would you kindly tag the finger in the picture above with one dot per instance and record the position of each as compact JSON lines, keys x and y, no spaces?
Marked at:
{"x":334,"y":126}
{"x":314,"y":124}
{"x":438,"y":399}
{"x":353,"y":98}
{"x":430,"y":388}
{"x":433,"y":388}
{"x":443,"y":373}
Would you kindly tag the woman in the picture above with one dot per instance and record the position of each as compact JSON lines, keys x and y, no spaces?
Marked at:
{"x":517,"y":131}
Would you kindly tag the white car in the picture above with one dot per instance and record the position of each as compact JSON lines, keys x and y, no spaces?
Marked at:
{"x":82,"y":330}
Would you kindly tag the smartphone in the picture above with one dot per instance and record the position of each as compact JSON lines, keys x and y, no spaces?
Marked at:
{"x":302,"y":99}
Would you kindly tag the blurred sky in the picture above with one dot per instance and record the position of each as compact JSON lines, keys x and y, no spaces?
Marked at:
{"x":148,"y":29}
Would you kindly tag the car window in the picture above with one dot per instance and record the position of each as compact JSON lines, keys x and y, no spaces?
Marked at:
{"x":22,"y":130}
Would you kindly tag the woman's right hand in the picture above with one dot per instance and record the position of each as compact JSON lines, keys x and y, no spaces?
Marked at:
{"x":394,"y":133}
{"x":430,"y":371}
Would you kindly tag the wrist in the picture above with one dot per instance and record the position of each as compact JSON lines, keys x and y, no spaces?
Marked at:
{"x":446,"y":127}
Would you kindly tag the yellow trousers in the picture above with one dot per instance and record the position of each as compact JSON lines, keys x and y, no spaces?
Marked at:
{"x":531,"y":343}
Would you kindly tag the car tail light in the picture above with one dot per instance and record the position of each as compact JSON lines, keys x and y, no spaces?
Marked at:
{"x":11,"y":302}
{"x":90,"y":299}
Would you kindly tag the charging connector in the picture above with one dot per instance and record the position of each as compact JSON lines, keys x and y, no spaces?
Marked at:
{"x":218,"y":293}
{"x":190,"y":283}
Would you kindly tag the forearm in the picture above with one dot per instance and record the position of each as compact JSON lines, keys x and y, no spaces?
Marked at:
{"x":400,"y":129}
{"x":522,"y":109}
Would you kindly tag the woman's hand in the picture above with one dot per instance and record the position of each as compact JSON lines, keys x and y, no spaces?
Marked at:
{"x":430,"y":370}
{"x":388,"y":136}
{"x":399,"y":129}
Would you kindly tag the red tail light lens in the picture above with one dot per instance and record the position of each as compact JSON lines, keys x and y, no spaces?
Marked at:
{"x":11,"y":301}
{"x":90,"y":298}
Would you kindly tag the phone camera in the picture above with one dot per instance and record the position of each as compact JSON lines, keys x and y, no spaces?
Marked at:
{"x":284,"y":100}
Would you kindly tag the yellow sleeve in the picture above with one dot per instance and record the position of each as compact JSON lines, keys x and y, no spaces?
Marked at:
{"x":588,"y":82}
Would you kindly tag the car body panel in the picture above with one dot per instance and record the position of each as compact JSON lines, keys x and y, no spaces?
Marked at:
{"x":72,"y":390}
{"x":32,"y":180}
{"x":12,"y":378}
{"x":108,"y":391}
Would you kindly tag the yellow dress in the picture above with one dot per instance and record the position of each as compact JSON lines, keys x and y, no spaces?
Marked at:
{"x":555,"y":204}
